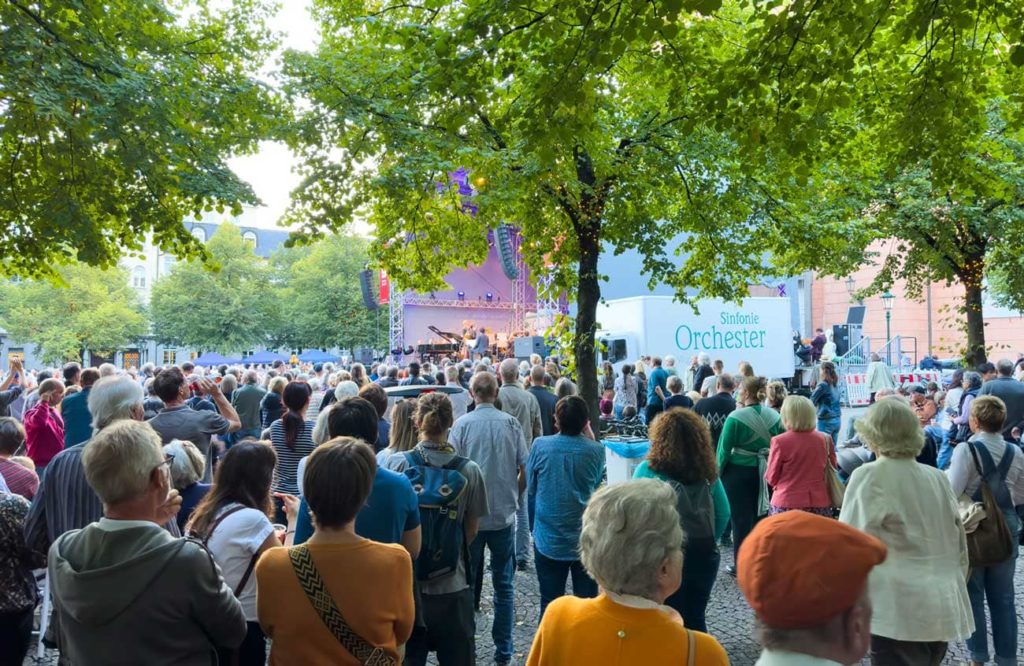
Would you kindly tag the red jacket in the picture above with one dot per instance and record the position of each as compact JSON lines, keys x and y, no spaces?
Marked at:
{"x":796,"y":470}
{"x":44,"y":433}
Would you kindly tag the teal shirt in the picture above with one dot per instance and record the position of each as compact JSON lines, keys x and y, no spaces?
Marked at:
{"x":718,"y":498}
{"x":736,"y":435}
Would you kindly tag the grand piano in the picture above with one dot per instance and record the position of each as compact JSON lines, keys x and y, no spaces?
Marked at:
{"x":435,"y":350}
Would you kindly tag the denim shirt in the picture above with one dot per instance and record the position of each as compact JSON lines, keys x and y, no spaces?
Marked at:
{"x":561,"y":474}
{"x":826,"y":399}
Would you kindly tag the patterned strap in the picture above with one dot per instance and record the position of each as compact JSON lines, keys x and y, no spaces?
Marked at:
{"x":313,"y":586}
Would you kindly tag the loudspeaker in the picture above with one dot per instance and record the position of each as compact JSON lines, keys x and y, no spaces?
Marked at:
{"x":841,"y":336}
{"x":525,"y":346}
{"x":363,"y":355}
{"x":503,"y":236}
{"x":366,"y":284}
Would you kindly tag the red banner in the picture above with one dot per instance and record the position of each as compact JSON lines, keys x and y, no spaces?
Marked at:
{"x":385,"y":288}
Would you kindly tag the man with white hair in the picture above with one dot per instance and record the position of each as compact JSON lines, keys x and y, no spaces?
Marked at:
{"x":65,"y":501}
{"x":116,"y":580}
{"x":108,"y":370}
{"x":515,"y":400}
{"x":246,"y":401}
{"x":703,"y":371}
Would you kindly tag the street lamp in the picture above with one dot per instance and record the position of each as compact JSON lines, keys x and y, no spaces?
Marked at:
{"x":887,"y":299}
{"x":851,"y":288}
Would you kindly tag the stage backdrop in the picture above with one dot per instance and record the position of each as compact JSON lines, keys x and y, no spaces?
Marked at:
{"x":475,"y":282}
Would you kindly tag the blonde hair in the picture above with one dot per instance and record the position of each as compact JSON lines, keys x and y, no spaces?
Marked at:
{"x":776,"y":394}
{"x":277,"y":385}
{"x":404,"y":434}
{"x":628,"y":530}
{"x":798,"y":414}
{"x":890,"y":428}
{"x":120,"y":459}
{"x":990,"y":413}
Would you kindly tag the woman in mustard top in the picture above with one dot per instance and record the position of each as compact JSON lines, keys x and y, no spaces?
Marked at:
{"x":369,"y":583}
{"x":631,"y":544}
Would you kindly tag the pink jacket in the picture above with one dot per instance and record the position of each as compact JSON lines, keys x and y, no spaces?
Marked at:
{"x":796,"y":470}
{"x":44,"y":433}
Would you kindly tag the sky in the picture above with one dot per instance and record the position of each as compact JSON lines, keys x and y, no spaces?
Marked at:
{"x":270,"y":170}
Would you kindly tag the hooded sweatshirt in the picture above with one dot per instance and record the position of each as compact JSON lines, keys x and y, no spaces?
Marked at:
{"x":127,"y":592}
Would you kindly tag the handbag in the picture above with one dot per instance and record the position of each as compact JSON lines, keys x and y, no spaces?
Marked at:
{"x":991,"y":542}
{"x":836,"y":489}
{"x":313,"y":585}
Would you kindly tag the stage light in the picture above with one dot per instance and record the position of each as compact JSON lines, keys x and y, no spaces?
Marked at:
{"x":489,"y":296}
{"x":461,"y":295}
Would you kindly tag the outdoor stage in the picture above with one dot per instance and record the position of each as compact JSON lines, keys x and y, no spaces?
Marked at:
{"x":481,"y":296}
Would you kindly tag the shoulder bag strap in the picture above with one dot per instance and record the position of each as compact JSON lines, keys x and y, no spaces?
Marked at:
{"x":247,"y":574}
{"x":313,"y":585}
{"x":216,"y":523}
{"x":691,"y":651}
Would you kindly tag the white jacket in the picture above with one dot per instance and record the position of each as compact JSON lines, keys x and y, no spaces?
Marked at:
{"x":920,"y":592}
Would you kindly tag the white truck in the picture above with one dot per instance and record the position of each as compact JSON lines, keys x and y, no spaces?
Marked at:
{"x":759,"y":331}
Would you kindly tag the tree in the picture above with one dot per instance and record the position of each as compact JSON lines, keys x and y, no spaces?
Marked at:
{"x":321,"y":301}
{"x":908,"y":116}
{"x":699,"y":132}
{"x":949,"y":233}
{"x":229,"y":307}
{"x":94,"y":310}
{"x":581,"y":124}
{"x":116,"y":119}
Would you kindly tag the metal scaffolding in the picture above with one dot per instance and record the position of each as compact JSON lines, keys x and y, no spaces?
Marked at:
{"x":396,"y":322}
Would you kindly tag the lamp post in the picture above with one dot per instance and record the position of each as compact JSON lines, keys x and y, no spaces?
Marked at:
{"x":887,"y":299}
{"x":851,"y":288}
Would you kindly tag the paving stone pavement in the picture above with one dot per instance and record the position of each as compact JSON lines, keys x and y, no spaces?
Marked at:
{"x":730,"y":620}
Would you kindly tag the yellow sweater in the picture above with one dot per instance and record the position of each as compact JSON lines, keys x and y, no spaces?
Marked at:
{"x":592,"y":632}
{"x":370,"y":582}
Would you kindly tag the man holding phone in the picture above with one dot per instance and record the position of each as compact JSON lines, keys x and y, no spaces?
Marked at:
{"x":179,"y":421}
{"x":12,"y":386}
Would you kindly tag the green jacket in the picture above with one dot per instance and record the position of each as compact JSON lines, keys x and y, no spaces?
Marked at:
{"x":736,"y":434}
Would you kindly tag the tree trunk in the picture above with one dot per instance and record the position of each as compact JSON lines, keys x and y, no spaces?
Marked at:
{"x":975,"y":323}
{"x":588,"y":295}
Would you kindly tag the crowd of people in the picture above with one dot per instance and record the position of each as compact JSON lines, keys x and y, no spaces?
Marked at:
{"x":308,"y":515}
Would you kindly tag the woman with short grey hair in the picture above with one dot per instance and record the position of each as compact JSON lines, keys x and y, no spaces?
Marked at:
{"x":912,"y":508}
{"x":187,"y":464}
{"x":631,"y":543}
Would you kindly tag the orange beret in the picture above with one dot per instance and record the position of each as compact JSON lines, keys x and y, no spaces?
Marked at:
{"x":800,"y":570}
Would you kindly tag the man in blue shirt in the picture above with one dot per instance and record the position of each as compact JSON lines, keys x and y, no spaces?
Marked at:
{"x":656,"y":389}
{"x":562,"y":472}
{"x":495,"y":441}
{"x":75,"y":410}
{"x":392,"y":512}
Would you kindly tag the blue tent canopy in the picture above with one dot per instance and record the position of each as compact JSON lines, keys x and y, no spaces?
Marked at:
{"x":213,"y":358}
{"x":317,"y":356}
{"x":265,"y":357}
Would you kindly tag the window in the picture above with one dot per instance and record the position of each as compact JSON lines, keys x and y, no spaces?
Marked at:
{"x":166,"y":263}
{"x":168,"y":357}
{"x":250,"y":236}
{"x":130,"y":359}
{"x":139,"y":277}
{"x":614,"y":350}
{"x":199,"y":234}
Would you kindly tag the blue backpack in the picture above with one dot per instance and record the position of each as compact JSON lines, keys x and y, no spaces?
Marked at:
{"x":439,"y":491}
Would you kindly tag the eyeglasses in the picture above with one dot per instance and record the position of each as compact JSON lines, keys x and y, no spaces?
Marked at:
{"x":168,"y":459}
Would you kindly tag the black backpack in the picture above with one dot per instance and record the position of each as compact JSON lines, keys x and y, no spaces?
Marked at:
{"x":696,"y":512}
